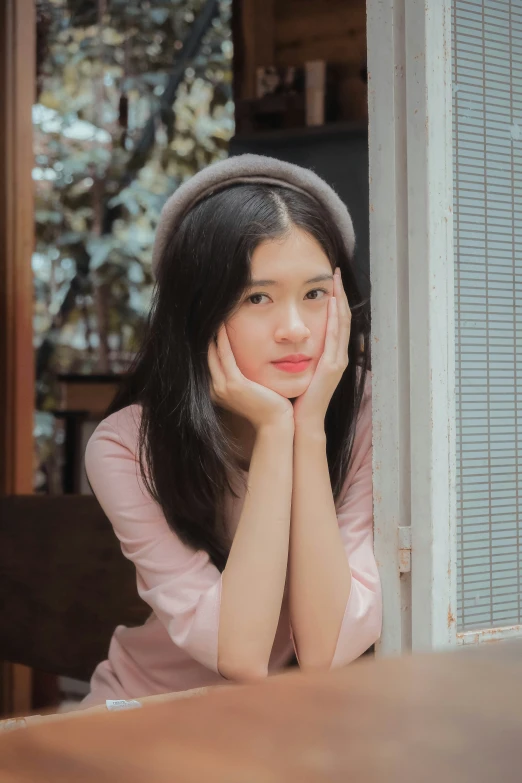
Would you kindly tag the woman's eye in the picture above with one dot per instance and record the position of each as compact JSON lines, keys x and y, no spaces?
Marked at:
{"x":317,"y":291}
{"x":256,"y":296}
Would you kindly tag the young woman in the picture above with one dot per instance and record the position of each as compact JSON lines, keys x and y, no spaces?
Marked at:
{"x":236,"y":463}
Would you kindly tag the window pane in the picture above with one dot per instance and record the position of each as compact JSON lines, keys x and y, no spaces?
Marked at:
{"x":487,"y":134}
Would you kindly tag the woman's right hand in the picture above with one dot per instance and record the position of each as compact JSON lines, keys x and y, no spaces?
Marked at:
{"x":231,"y":390}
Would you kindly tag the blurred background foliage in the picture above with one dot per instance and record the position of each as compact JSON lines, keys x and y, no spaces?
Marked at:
{"x":133,"y":97}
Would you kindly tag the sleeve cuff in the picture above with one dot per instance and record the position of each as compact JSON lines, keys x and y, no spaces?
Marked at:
{"x":200,"y":637}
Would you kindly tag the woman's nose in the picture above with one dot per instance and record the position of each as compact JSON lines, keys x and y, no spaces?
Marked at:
{"x":292,"y":328}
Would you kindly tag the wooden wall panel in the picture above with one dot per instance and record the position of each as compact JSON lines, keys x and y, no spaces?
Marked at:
{"x":334,"y":30}
{"x":17,"y":87}
{"x":291,"y":32}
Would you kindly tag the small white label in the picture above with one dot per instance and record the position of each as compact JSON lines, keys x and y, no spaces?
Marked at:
{"x":121,"y":704}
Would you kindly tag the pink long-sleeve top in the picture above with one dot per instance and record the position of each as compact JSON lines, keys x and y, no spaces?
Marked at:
{"x":177,"y":647}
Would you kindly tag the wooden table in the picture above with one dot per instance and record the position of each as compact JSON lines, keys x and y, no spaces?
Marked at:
{"x":445,"y":717}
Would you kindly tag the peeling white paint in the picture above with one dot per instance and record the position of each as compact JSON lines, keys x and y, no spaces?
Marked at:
{"x":515,"y":132}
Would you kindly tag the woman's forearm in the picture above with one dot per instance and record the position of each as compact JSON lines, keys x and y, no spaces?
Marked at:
{"x":319,"y":573}
{"x":254,"y":578}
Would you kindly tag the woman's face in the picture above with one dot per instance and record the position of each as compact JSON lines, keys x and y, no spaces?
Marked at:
{"x":283,"y":314}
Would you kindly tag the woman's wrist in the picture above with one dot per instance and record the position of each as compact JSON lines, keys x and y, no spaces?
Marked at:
{"x":310,"y":430}
{"x":282,"y":427}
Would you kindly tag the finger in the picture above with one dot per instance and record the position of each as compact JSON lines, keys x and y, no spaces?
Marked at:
{"x":226,"y":355}
{"x":332,"y":331}
{"x":340,"y":295}
{"x":345,"y":319}
{"x":216,"y":371}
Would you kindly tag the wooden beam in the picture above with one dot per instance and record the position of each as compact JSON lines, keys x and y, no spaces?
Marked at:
{"x":17,"y":85}
{"x":17,"y":89}
{"x":254,"y":37}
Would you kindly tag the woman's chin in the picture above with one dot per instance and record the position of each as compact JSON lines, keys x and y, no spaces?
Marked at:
{"x":293,"y":388}
{"x":289,"y":387}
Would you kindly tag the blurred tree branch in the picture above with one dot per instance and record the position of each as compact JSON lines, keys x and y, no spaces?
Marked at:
{"x":79,"y":284}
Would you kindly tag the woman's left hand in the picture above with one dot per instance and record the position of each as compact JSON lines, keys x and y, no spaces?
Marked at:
{"x":310,"y":408}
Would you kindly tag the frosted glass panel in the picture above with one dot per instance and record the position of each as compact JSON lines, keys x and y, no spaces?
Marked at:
{"x":487,"y":136}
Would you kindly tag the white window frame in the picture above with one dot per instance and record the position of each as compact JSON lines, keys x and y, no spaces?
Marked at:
{"x":413,"y":332}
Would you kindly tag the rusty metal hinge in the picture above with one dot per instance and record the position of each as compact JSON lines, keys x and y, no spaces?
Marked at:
{"x":404,"y":549}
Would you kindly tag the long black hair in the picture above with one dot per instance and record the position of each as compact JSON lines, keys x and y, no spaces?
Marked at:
{"x":186,"y":458}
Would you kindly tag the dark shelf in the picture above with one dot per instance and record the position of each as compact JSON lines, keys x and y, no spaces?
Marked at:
{"x":308,"y":132}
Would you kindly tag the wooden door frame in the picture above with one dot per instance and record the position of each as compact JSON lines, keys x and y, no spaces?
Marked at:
{"x":17,"y":90}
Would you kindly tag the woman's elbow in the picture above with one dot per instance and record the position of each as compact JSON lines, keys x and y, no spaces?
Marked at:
{"x":315,"y":665}
{"x":243,"y":671}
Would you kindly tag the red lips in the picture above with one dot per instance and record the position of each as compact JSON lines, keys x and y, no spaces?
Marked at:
{"x":293,"y":363}
{"x":293,"y":357}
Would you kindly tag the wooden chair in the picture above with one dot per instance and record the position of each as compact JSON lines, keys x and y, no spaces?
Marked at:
{"x":64,"y":584}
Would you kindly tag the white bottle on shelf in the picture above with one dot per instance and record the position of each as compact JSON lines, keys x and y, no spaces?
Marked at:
{"x":315,"y":71}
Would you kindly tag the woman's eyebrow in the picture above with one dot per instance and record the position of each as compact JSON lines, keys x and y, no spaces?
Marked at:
{"x":317,"y":279}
